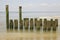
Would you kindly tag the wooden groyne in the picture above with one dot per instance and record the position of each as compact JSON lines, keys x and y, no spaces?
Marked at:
{"x":30,"y":23}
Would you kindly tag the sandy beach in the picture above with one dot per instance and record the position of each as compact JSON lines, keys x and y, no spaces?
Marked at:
{"x":29,"y":36}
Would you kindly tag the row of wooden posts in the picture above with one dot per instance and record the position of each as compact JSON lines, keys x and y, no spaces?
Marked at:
{"x":38,"y":24}
{"x":30,"y":22}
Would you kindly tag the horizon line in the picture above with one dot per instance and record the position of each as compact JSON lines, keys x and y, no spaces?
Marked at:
{"x":32,"y":11}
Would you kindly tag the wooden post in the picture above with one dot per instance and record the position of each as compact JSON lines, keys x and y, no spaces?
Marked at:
{"x":54,"y":28}
{"x":26,"y":23}
{"x":16,"y":24}
{"x":20,"y":18}
{"x":56,"y":22}
{"x":45,"y":25}
{"x":55,"y":25}
{"x":49,"y":25}
{"x":11,"y":24}
{"x":21,"y":25}
{"x":7,"y":17}
{"x":40,"y":23}
{"x":35,"y":20}
{"x":31,"y":24}
{"x":51,"y":22}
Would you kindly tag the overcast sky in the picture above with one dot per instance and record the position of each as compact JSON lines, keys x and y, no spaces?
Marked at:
{"x":31,"y":5}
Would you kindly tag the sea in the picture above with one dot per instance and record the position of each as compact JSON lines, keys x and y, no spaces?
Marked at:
{"x":4,"y":35}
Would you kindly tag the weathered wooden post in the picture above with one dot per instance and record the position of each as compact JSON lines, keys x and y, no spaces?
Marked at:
{"x":53,"y":28}
{"x":48,"y":25}
{"x":11,"y":24}
{"x":55,"y":24}
{"x":16,"y":24}
{"x":26,"y":23}
{"x":40,"y":23}
{"x":45,"y":25}
{"x":20,"y":18}
{"x":52,"y":24}
{"x":7,"y":17}
{"x":31,"y":24}
{"x":35,"y":20}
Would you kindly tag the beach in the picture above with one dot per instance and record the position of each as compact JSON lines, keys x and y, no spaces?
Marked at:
{"x":29,"y":36}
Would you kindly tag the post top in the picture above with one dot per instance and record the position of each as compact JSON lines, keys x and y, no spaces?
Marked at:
{"x":20,"y":6}
{"x":6,"y":5}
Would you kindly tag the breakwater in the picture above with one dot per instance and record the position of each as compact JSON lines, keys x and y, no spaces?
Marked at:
{"x":30,"y":23}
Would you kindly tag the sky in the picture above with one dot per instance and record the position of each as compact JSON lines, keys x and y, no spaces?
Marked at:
{"x":31,"y":5}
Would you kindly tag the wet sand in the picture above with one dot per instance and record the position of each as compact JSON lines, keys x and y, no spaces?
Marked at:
{"x":29,"y":36}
